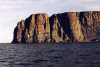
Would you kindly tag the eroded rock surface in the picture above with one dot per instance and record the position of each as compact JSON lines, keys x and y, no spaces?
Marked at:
{"x":63,"y":27}
{"x":36,"y":28}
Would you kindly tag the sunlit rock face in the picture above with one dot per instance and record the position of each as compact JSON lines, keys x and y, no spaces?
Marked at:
{"x":62,"y":27}
{"x":36,"y":28}
{"x":90,"y":25}
{"x":66,"y":27}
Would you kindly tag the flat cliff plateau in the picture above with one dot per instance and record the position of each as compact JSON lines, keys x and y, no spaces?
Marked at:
{"x":62,"y":27}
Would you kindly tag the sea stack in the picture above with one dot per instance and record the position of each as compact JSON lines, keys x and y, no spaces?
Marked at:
{"x":62,"y":27}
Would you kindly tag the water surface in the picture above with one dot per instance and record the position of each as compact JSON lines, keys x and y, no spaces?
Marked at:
{"x":50,"y":55}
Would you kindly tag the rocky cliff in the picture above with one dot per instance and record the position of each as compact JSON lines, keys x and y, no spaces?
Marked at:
{"x":62,"y":27}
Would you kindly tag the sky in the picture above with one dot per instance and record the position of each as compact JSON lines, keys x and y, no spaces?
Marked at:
{"x":12,"y":11}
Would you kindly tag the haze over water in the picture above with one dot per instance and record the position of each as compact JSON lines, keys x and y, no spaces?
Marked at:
{"x":50,"y":55}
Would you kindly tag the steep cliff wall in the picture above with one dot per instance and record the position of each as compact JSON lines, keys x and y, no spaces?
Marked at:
{"x":36,"y":28}
{"x":63,"y":27}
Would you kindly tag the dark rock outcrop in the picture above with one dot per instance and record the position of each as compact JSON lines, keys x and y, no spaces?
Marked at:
{"x":63,"y":27}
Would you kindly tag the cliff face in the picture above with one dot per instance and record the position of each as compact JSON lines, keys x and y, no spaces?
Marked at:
{"x":36,"y":28}
{"x":63,"y":27}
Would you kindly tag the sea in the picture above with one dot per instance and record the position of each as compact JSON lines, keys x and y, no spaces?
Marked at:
{"x":50,"y":55}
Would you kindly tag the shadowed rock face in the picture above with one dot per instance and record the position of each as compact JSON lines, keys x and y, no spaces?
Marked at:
{"x":63,"y":27}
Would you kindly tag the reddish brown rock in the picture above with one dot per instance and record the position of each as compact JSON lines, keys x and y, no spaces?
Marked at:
{"x":57,"y":32}
{"x":63,"y":27}
{"x":42,"y":28}
{"x":36,"y":28}
{"x":90,"y":24}
{"x":75,"y":27}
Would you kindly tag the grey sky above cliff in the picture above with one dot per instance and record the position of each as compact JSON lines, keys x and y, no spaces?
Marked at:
{"x":12,"y":11}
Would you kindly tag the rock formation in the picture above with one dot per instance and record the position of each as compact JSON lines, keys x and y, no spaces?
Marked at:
{"x":62,"y":27}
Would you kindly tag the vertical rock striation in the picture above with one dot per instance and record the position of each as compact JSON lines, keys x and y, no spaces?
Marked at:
{"x":90,"y":25}
{"x":63,"y":27}
{"x":36,"y":28}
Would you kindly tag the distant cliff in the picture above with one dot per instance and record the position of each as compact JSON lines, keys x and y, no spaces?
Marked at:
{"x":62,"y":27}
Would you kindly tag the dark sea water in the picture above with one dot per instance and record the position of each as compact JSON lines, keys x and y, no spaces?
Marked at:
{"x":50,"y":55}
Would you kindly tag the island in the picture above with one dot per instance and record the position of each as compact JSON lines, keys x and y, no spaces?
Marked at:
{"x":62,"y":27}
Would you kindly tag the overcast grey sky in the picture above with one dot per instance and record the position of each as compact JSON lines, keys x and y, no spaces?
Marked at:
{"x":12,"y":11}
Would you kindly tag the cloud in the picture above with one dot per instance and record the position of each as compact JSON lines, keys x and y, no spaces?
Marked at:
{"x":12,"y":11}
{"x":6,"y":4}
{"x":9,"y":4}
{"x":39,"y":5}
